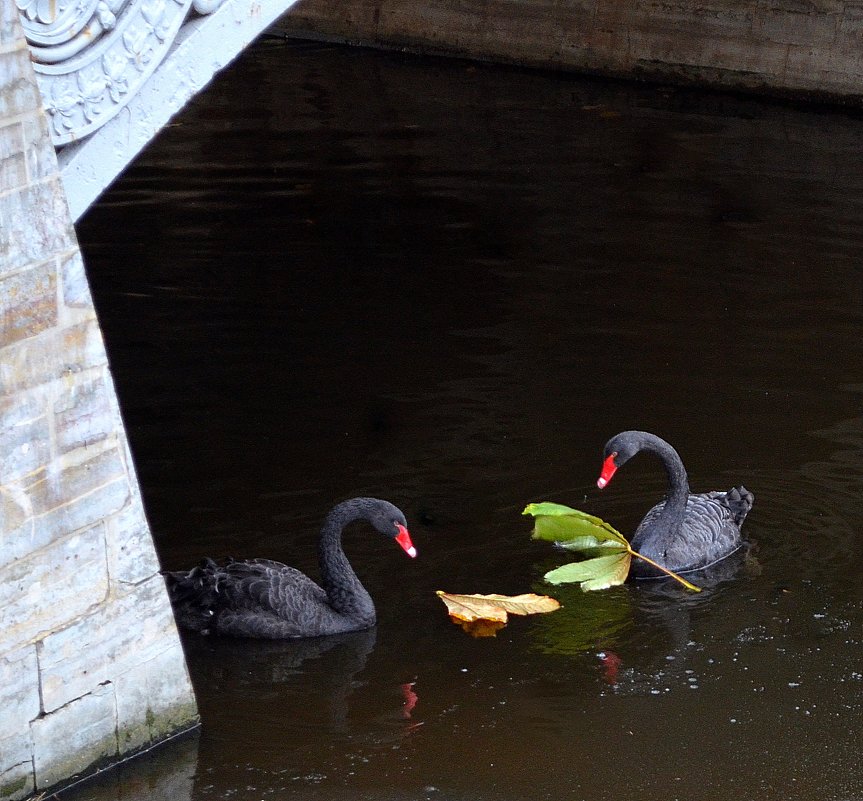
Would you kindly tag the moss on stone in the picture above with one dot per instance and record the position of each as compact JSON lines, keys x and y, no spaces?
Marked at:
{"x":13,"y":788}
{"x":158,"y":726}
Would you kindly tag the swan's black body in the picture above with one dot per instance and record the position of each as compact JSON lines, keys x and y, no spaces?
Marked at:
{"x":266,"y":599}
{"x":684,"y":532}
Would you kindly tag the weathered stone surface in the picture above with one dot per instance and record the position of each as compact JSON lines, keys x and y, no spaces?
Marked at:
{"x":17,"y":523}
{"x":79,"y":513}
{"x":8,"y":22}
{"x":24,"y":435}
{"x":74,"y":737}
{"x":683,"y":20}
{"x":67,"y":479}
{"x":17,"y":779}
{"x":13,"y":165}
{"x":39,"y":594}
{"x":153,"y":700}
{"x":41,"y":156}
{"x":19,"y":693}
{"x":17,"y":92}
{"x":134,"y":628}
{"x":28,"y":303}
{"x":787,"y":24}
{"x":84,"y":511}
{"x":56,"y":353}
{"x":83,"y":414}
{"x":81,"y":603}
{"x":76,"y":291}
{"x":26,"y":238}
{"x":131,"y":557}
{"x":739,"y":43}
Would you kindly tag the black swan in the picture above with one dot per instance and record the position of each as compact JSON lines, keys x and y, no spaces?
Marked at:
{"x":684,"y":532}
{"x":266,"y":599}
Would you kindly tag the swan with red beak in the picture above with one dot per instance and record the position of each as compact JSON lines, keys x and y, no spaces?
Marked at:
{"x":268,"y":599}
{"x":684,"y":532}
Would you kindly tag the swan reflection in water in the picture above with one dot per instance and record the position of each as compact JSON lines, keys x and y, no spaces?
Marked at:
{"x":282,"y":677}
{"x":670,"y":614}
{"x":643,"y":626}
{"x":294,"y":712}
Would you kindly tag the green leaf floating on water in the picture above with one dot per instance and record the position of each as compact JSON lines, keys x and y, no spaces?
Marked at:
{"x":594,"y":574}
{"x":608,"y":553}
{"x":555,"y":522}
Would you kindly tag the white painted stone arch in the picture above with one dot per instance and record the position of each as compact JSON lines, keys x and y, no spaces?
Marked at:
{"x":112,"y":73}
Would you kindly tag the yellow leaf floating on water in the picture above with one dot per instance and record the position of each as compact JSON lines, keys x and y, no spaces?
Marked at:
{"x":484,"y":615}
{"x":481,"y":627}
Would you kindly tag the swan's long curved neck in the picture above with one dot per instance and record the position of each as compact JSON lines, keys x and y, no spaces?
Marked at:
{"x":678,"y":482}
{"x":345,"y":591}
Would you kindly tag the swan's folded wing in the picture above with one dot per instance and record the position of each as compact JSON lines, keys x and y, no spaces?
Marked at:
{"x":711,"y":533}
{"x":268,"y":586}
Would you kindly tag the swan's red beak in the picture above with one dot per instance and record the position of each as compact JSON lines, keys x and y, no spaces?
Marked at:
{"x":404,"y":539}
{"x":608,"y":468}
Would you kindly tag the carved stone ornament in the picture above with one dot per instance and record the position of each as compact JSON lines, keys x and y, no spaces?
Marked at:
{"x":91,"y":56}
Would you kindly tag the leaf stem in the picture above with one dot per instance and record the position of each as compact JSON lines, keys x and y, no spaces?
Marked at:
{"x":665,"y":570}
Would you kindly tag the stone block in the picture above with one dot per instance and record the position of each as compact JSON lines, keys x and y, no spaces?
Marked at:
{"x":709,"y":56}
{"x":16,"y":523}
{"x":41,"y":156}
{"x":690,"y":21}
{"x":28,"y":303}
{"x":511,"y":29}
{"x":28,"y":238}
{"x":25,"y":437}
{"x":76,"y":289}
{"x":172,"y":699}
{"x":54,"y":354}
{"x":23,"y":537}
{"x":84,"y":511}
{"x":19,"y":694}
{"x":851,"y":22}
{"x":111,"y":639}
{"x":323,"y":16}
{"x":67,"y":480}
{"x":16,"y":766}
{"x":71,"y":739}
{"x":10,"y":29}
{"x":805,"y":68}
{"x":842,"y":69}
{"x":594,"y":47}
{"x":154,"y":700}
{"x":83,"y":414}
{"x":131,"y":555}
{"x":49,"y":588}
{"x":11,"y":138}
{"x":18,"y":92}
{"x":13,"y":164}
{"x":133,"y":708}
{"x":798,"y":23}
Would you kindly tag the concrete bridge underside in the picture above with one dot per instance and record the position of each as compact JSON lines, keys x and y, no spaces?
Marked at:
{"x":111,"y":84}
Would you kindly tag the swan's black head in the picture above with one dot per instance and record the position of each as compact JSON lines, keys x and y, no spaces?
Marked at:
{"x":389,"y":520}
{"x":618,"y":451}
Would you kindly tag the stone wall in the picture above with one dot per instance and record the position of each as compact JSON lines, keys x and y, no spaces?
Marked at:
{"x":798,"y":48}
{"x":91,"y":667}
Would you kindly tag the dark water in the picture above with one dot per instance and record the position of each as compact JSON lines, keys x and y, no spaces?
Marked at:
{"x":345,"y":273}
